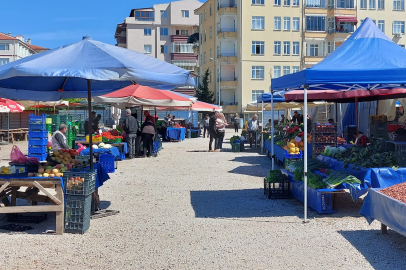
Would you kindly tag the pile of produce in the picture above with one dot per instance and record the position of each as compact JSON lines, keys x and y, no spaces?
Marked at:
{"x":75,"y":183}
{"x":64,"y":158}
{"x":105,"y":146}
{"x":398,"y":192}
{"x":10,"y":170}
{"x":332,"y":151}
{"x":234,"y":138}
{"x":276,"y":176}
{"x":49,"y":171}
{"x":366,"y":157}
{"x":336,"y":178}
{"x":109,"y":136}
{"x":312,"y":165}
{"x":294,"y":147}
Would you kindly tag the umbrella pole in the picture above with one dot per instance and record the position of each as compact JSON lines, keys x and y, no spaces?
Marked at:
{"x":356,"y":115}
{"x":89,"y":105}
{"x":305,"y":153}
{"x":272,"y":133}
{"x":8,"y":128}
{"x":262,"y":135}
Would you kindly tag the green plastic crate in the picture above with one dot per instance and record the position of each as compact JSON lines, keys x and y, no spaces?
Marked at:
{"x":235,"y":147}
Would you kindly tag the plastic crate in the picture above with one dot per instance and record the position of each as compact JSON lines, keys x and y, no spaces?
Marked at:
{"x":37,"y":127}
{"x":38,"y":133}
{"x":398,"y":148}
{"x":40,"y":157}
{"x":279,"y":190}
{"x":37,"y":149}
{"x":300,"y":155}
{"x":37,"y":141}
{"x":117,"y":140}
{"x":107,"y":162}
{"x":80,"y":188}
{"x":77,"y":213}
{"x":392,"y":136}
{"x":235,"y":147}
{"x":33,"y":119}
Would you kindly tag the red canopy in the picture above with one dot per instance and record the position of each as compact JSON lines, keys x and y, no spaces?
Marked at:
{"x":341,"y":96}
{"x":8,"y":105}
{"x":346,"y":19}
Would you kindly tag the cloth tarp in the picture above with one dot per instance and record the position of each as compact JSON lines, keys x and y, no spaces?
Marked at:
{"x":176,"y":133}
{"x":114,"y":151}
{"x":101,"y":176}
{"x":387,"y":210}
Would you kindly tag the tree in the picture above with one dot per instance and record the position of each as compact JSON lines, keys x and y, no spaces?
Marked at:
{"x":202,"y":92}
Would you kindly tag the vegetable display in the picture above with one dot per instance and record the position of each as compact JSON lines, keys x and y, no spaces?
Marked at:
{"x":234,"y":138}
{"x":398,"y":192}
{"x":366,"y":157}
{"x":336,"y":178}
{"x":332,"y":151}
{"x":276,"y":176}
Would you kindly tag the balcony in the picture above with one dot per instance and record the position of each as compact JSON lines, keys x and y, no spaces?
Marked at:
{"x":231,"y":108}
{"x":227,"y":33}
{"x":121,"y":42}
{"x":227,"y":57}
{"x":196,"y":48}
{"x":228,"y":82}
{"x":227,"y":8}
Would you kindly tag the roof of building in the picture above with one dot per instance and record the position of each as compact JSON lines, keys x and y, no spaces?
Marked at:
{"x":37,"y":48}
{"x":6,"y":37}
{"x":33,"y":47}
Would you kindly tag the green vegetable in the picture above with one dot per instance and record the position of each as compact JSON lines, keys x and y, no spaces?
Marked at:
{"x":276,"y":176}
{"x":366,"y":157}
{"x":298,"y":175}
{"x":234,"y":138}
{"x":315,"y":181}
{"x":336,"y":178}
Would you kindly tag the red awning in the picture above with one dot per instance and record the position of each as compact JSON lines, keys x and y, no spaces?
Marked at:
{"x":346,"y":19}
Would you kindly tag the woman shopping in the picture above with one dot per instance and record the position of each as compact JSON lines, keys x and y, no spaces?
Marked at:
{"x":221,"y":130}
{"x":148,"y":130}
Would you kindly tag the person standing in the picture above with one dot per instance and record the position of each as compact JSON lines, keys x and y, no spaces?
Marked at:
{"x":86,"y":127}
{"x":283,"y":120}
{"x":297,"y":118}
{"x":131,"y":128}
{"x":205,"y":124}
{"x":148,"y":129}
{"x":252,"y":128}
{"x":165,"y":124}
{"x":59,"y":139}
{"x":236,"y":122}
{"x":213,"y":132}
{"x":221,"y":130}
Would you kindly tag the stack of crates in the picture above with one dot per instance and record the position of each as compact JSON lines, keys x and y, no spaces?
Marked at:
{"x":379,"y":126}
{"x":37,"y":137}
{"x":49,"y":124}
{"x":56,"y":121}
{"x":79,"y":185}
{"x":70,"y":135}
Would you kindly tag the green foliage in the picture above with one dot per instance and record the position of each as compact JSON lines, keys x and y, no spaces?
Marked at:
{"x":244,"y":133}
{"x":202,"y":92}
{"x":276,"y":176}
{"x":366,"y":157}
{"x":232,"y":139}
{"x":336,"y":178}
{"x":315,"y":181}
{"x":298,"y":175}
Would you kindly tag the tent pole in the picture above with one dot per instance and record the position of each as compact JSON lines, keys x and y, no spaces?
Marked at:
{"x":258,"y":126}
{"x":89,"y":105}
{"x":272,"y":134}
{"x":8,"y":128}
{"x":356,"y":115}
{"x":262,"y":131}
{"x":305,"y":152}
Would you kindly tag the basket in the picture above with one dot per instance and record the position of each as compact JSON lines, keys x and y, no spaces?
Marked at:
{"x":117,"y":140}
{"x":379,"y":118}
{"x":38,"y":133}
{"x":33,"y":119}
{"x":399,"y":148}
{"x":37,"y":149}
{"x":280,"y":190}
{"x":107,"y":162}
{"x":40,"y":157}
{"x":77,"y":213}
{"x":84,"y":187}
{"x":235,"y":147}
{"x":299,"y":156}
{"x":48,"y":120}
{"x":98,"y":139}
{"x":38,"y":141}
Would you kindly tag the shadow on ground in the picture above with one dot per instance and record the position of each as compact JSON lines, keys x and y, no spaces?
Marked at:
{"x":381,"y":251}
{"x":254,"y":160}
{"x":252,"y":170}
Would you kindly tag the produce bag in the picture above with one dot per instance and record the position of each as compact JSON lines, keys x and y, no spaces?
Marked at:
{"x":81,"y":147}
{"x":16,"y":156}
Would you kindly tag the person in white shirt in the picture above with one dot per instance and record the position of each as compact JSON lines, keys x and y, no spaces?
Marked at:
{"x":205,"y":124}
{"x":59,"y":139}
{"x":221,"y":130}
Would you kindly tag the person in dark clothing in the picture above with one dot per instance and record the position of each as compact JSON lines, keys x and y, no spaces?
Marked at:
{"x":236,"y":122}
{"x":131,"y":128}
{"x":148,"y":130}
{"x":297,"y":118}
{"x":213,"y":132}
{"x":96,"y":121}
{"x":93,"y":114}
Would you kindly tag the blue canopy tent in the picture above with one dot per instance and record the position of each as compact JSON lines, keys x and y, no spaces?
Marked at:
{"x":367,"y":60}
{"x":83,"y":68}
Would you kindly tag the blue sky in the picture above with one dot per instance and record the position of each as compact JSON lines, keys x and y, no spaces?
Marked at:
{"x":53,"y":23}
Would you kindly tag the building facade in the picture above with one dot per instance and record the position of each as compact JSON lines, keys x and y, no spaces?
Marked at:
{"x":162,"y":32}
{"x":253,"y":41}
{"x":15,"y":48}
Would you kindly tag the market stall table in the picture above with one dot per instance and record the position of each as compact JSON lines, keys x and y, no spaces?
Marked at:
{"x":9,"y":186}
{"x":177,"y":134}
{"x":12,"y":132}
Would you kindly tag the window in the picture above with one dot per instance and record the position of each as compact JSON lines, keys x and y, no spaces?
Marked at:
{"x":211,"y":9}
{"x":277,"y":2}
{"x":204,"y":14}
{"x":257,"y":47}
{"x":257,"y":2}
{"x":188,"y":65}
{"x":164,"y":49}
{"x":295,"y":24}
{"x":295,"y":69}
{"x":329,"y":47}
{"x":200,"y":60}
{"x":211,"y":53}
{"x":204,"y":58}
{"x":277,"y":47}
{"x":398,"y":27}
{"x":363,"y":4}
{"x":257,"y":73}
{"x":316,"y":23}
{"x":147,"y":49}
{"x":3,"y":60}
{"x":211,"y":77}
{"x":398,"y":4}
{"x":295,"y":3}
{"x":256,"y":93}
{"x":286,"y":23}
{"x":218,"y":51}
{"x":185,"y":13}
{"x":286,"y":47}
{"x":258,"y":22}
{"x":147,"y":31}
{"x":211,"y":32}
{"x":277,"y":23}
{"x":345,"y":3}
{"x":184,"y":32}
{"x":372,"y":4}
{"x":204,"y":35}
{"x":381,"y":25}
{"x":316,"y":3}
{"x":381,"y":4}
{"x":164,"y":31}
{"x":164,"y":14}
{"x":286,"y":70}
{"x":286,"y":2}
{"x":295,"y":48}
{"x":314,"y":50}
{"x":276,"y":72}
{"x":144,"y":16}
{"x":182,"y":47}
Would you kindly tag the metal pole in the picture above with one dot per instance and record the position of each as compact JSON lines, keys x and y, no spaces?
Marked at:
{"x":8,"y":128}
{"x":356,"y":115}
{"x":262,"y":131}
{"x":219,"y":82}
{"x":305,"y":152}
{"x":272,"y":133}
{"x":89,"y":124}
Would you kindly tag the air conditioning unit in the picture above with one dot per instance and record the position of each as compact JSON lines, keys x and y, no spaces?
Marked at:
{"x":397,"y":35}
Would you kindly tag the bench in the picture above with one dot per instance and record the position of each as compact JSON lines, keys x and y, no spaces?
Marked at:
{"x":13,"y":133}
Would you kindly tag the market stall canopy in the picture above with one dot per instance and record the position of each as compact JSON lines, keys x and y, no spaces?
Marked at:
{"x":7,"y":105}
{"x":254,"y":106}
{"x":137,"y":95}
{"x":29,"y":103}
{"x":64,"y":72}
{"x":194,"y":99}
{"x":368,"y":59}
{"x":198,"y":106}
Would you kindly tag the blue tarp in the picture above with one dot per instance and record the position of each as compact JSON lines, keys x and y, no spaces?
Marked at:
{"x":368,"y":59}
{"x":102,"y":176}
{"x":349,"y":116}
{"x":63,"y":72}
{"x":387,"y":210}
{"x":267,"y":98}
{"x":176,"y":133}
{"x":280,"y":152}
{"x":114,"y":151}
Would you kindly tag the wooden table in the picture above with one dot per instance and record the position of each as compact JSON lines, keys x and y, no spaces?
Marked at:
{"x":12,"y":132}
{"x":10,"y":188}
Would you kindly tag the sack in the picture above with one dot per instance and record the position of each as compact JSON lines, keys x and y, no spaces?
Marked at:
{"x":16,"y":156}
{"x":81,"y":147}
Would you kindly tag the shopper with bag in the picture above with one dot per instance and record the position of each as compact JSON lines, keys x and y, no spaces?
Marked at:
{"x":252,"y":128}
{"x":131,"y":128}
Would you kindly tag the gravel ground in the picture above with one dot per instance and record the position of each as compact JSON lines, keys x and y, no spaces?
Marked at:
{"x":190,"y":209}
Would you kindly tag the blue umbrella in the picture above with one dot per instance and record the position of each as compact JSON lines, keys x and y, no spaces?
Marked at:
{"x":83,"y":68}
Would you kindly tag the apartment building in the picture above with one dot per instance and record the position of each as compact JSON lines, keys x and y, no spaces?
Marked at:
{"x":162,"y":31}
{"x":14,"y":48}
{"x":251,"y":41}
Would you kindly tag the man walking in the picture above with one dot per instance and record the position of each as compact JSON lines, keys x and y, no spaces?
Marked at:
{"x":131,"y":125}
{"x":252,"y":129}
{"x":213,"y":132}
{"x":205,"y":124}
{"x":165,"y":124}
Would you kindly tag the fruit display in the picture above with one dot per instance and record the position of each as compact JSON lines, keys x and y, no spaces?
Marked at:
{"x":75,"y":183}
{"x":108,"y":135}
{"x":64,"y":157}
{"x":293,"y":147}
{"x":49,"y":171}
{"x":323,"y":136}
{"x":8,"y":170}
{"x":366,"y":157}
{"x":333,"y":151}
{"x":105,"y":146}
{"x":398,"y":192}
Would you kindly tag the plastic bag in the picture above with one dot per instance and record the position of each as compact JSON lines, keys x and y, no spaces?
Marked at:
{"x":17,"y":156}
{"x":81,"y":147}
